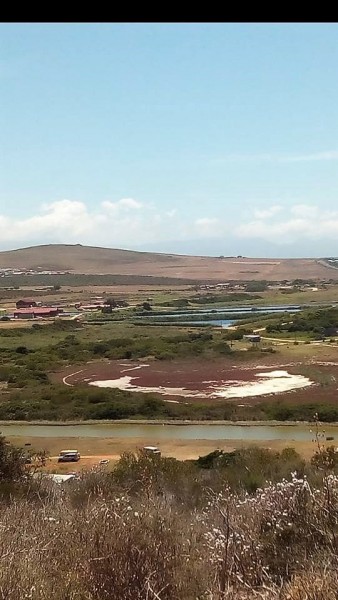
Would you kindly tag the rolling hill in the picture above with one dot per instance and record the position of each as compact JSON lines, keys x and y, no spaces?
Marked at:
{"x":92,"y":260}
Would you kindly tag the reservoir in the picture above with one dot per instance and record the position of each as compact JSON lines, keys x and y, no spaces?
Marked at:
{"x":221,"y":317}
{"x":283,"y":308}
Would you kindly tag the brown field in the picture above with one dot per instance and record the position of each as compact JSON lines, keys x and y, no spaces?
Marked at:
{"x":190,"y":380}
{"x":90,"y":260}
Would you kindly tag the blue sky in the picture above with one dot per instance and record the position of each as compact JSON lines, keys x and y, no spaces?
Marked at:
{"x":197,"y":138}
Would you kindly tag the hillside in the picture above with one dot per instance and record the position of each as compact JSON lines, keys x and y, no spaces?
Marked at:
{"x":92,"y":260}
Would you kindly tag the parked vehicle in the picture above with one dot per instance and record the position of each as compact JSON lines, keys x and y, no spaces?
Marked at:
{"x":152,"y":450}
{"x":69,"y":456}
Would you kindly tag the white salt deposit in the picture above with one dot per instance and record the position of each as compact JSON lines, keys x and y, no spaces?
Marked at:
{"x":272,"y":382}
{"x":274,"y":374}
{"x":124,"y":383}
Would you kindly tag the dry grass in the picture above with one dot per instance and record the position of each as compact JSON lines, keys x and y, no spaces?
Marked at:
{"x":155,"y":532}
{"x":83,"y":259}
{"x":19,"y":324}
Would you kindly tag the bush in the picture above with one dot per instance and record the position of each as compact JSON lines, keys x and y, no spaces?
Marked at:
{"x":21,"y":350}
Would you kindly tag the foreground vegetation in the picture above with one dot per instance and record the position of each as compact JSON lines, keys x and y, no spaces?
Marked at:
{"x":240,"y":526}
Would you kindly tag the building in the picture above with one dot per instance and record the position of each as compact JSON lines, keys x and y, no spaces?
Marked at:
{"x":42,"y":312}
{"x":89,"y":307}
{"x":60,"y":478}
{"x":252,"y":338}
{"x":26,"y":303}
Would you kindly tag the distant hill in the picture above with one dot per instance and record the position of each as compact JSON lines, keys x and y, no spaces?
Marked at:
{"x":92,"y":260}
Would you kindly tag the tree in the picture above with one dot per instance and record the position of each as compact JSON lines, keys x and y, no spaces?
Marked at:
{"x":22,"y":350}
{"x":146,"y":306}
{"x":256,"y":286}
{"x":14,"y":462}
{"x":111,"y":302}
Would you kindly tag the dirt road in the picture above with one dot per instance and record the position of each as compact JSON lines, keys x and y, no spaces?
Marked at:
{"x":93,"y":450}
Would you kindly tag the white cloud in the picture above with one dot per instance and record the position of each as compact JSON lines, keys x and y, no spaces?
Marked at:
{"x":129,"y":203}
{"x":130,"y":223}
{"x":122,"y":223}
{"x":267,"y":212}
{"x":317,"y":156}
{"x":305,"y":211}
{"x":71,"y":221}
{"x":206,"y":221}
{"x":121,"y":206}
{"x":299,"y":222}
{"x":328,"y":155}
{"x":208,"y":227}
{"x":69,"y":216}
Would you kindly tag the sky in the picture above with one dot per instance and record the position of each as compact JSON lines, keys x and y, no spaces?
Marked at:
{"x":217,"y":139}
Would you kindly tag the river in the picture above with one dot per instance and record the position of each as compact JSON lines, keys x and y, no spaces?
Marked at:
{"x":170,"y":432}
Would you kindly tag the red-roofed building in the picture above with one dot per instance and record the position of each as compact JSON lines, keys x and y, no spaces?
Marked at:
{"x":37,"y":312}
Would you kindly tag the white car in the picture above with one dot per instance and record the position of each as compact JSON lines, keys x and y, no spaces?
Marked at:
{"x":152,"y":450}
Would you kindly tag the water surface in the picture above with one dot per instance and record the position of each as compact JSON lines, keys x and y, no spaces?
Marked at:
{"x":169,"y":432}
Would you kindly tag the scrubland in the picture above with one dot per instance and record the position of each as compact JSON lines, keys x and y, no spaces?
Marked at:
{"x":34,"y":361}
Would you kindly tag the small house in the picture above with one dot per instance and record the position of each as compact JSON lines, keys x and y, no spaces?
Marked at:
{"x":26,"y":303}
